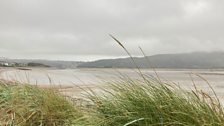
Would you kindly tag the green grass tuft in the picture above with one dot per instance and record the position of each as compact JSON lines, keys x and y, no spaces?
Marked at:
{"x":25,"y":105}
{"x":144,"y":103}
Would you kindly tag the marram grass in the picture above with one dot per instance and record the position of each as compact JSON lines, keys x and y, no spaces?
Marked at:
{"x":152,"y":103}
{"x":127,"y":102}
{"x":25,"y":105}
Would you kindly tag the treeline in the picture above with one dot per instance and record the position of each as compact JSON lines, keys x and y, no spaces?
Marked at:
{"x":30,"y":64}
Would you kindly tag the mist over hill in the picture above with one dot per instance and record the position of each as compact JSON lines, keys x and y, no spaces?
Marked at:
{"x":195,"y":60}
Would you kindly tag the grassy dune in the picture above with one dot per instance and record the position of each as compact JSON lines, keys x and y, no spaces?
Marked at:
{"x":146,"y":103}
{"x":124,"y":103}
{"x":24,"y":105}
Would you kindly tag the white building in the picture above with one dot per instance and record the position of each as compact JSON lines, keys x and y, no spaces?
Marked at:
{"x":3,"y":63}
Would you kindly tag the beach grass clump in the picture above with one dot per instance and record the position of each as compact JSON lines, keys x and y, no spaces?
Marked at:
{"x":154,"y":103}
{"x":26,"y":105}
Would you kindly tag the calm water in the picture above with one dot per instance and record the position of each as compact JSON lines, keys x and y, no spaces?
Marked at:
{"x":101,"y":76}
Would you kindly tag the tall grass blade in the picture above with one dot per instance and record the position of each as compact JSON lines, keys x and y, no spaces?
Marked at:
{"x":129,"y":54}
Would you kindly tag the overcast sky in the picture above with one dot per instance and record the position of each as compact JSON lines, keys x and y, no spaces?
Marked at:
{"x":78,"y":29}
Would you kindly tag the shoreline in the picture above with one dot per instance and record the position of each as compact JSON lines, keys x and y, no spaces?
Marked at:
{"x":75,"y":80}
{"x":67,"y":90}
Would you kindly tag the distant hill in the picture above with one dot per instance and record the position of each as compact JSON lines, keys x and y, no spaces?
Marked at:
{"x":196,"y":60}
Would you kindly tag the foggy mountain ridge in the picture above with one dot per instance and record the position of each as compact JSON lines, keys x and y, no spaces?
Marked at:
{"x":195,"y":60}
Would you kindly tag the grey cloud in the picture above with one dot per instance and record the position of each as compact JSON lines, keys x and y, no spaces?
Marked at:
{"x":75,"y":28}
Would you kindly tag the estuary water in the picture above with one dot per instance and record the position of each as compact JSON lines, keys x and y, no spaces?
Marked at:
{"x":69,"y":77}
